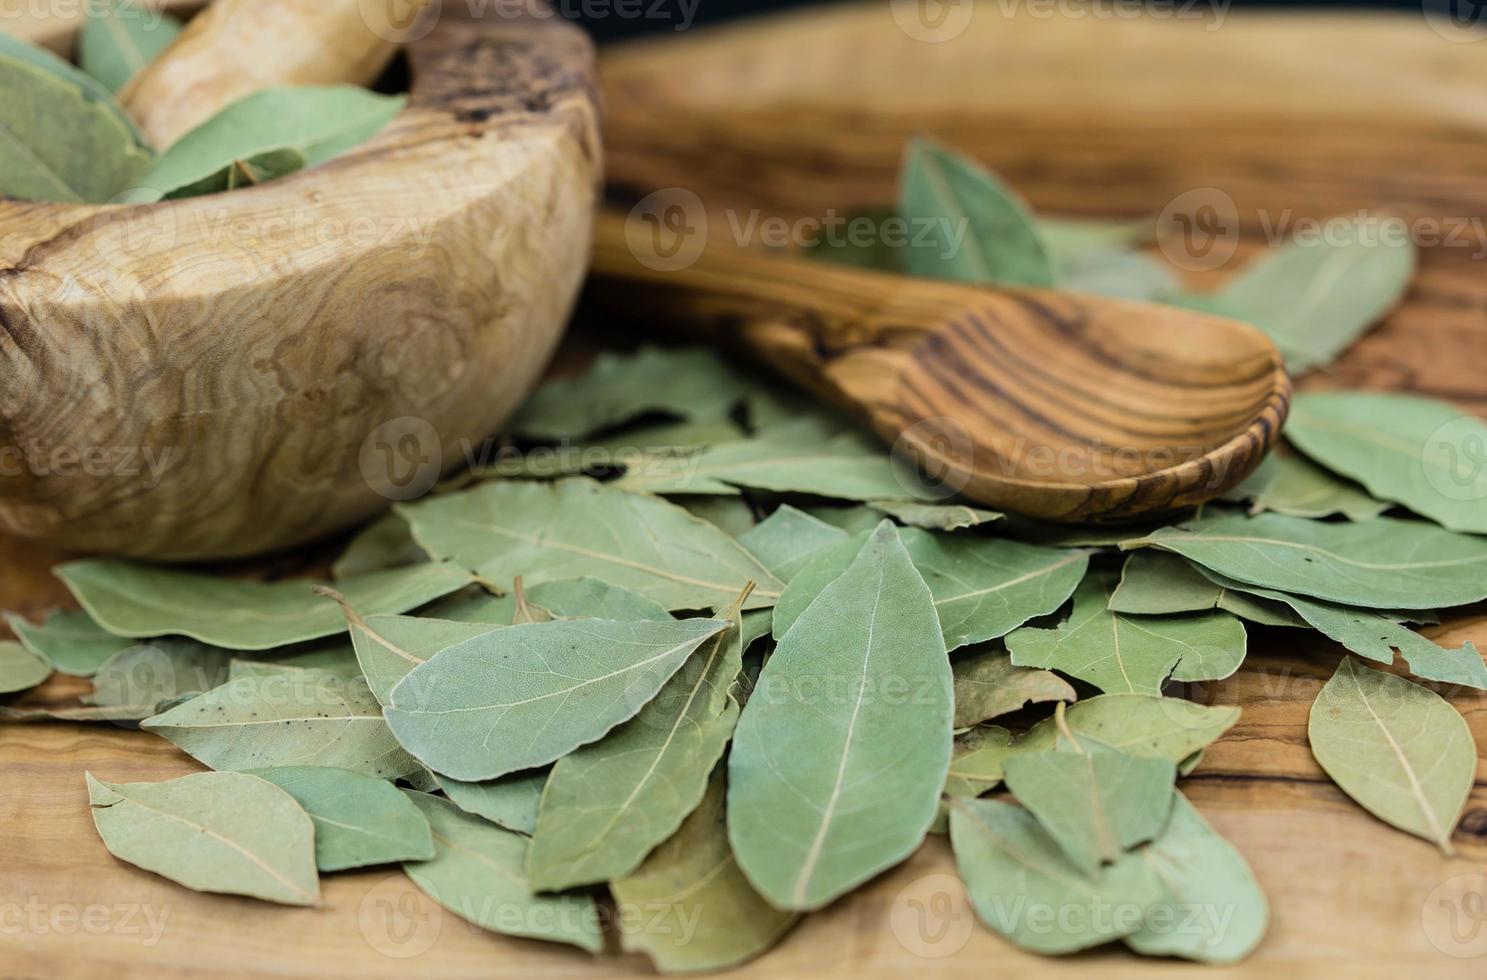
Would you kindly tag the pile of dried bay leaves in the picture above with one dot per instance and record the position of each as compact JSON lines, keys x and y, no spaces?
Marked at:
{"x":64,"y":137}
{"x":697,"y":645}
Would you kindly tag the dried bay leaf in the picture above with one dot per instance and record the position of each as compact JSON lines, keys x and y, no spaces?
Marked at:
{"x":988,"y":685}
{"x":383,"y":544}
{"x":134,"y":599}
{"x":577,"y":528}
{"x":20,"y":669}
{"x":478,"y":873}
{"x":935,"y":517}
{"x":1023,"y":886}
{"x":214,"y":832}
{"x":591,"y":598}
{"x":473,"y":604}
{"x":690,"y":384}
{"x":121,"y":39}
{"x":785,"y":541}
{"x":842,"y":749}
{"x":1422,"y":453}
{"x":56,"y":142}
{"x":388,"y":647}
{"x":315,"y":122}
{"x":978,"y":760}
{"x":69,"y":640}
{"x":1158,"y":583}
{"x":1315,"y":298}
{"x":1289,"y":484}
{"x":1123,"y":654}
{"x":1214,"y":910}
{"x":983,"y":588}
{"x":1398,"y":749}
{"x":162,"y":670}
{"x":12,"y":47}
{"x":689,"y":907}
{"x":511,"y":801}
{"x":524,"y":696}
{"x":1376,"y":636}
{"x":1383,"y":563}
{"x":299,"y":718}
{"x":1124,"y":275}
{"x":968,"y":226}
{"x":1074,"y":241}
{"x":1094,"y":801}
{"x":359,"y":821}
{"x":609,"y":803}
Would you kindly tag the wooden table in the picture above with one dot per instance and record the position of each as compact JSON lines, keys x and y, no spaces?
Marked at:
{"x":1088,"y":117}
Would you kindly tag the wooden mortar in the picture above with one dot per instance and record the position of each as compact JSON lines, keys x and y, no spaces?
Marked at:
{"x":240,"y":373}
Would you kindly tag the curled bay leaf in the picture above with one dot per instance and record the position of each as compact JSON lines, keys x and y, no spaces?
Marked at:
{"x":787,"y":539}
{"x":1382,"y":564}
{"x":988,"y":685}
{"x":214,"y":832}
{"x":1398,"y":749}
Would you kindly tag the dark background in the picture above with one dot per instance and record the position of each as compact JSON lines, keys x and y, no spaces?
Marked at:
{"x":712,"y":11}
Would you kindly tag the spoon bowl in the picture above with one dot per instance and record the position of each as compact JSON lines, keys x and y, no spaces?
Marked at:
{"x":1063,"y":407}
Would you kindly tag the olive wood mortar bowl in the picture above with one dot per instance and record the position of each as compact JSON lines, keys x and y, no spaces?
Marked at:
{"x":240,"y":373}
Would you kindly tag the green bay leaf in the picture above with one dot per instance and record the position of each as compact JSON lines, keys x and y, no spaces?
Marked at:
{"x":521,"y":697}
{"x":935,"y":517}
{"x":689,"y":906}
{"x":159,"y":671}
{"x":316,"y":123}
{"x":1023,"y":886}
{"x":1212,"y":909}
{"x":609,"y":803}
{"x":785,"y":541}
{"x":1383,"y":563}
{"x":12,"y":47}
{"x":511,"y":801}
{"x":1123,"y":654}
{"x":359,"y":820}
{"x":988,"y":685}
{"x":591,"y":598}
{"x":213,"y":832}
{"x":298,"y":718}
{"x":1289,"y":484}
{"x":385,"y":543}
{"x":1398,"y":749}
{"x":139,"y":600}
{"x":118,"y":41}
{"x":967,"y":225}
{"x":1424,"y":454}
{"x":842,"y":749}
{"x":20,"y":669}
{"x":1094,"y":801}
{"x":689,"y":384}
{"x":577,"y":528}
{"x":478,"y":873}
{"x":59,"y":144}
{"x":69,"y":640}
{"x":983,"y":588}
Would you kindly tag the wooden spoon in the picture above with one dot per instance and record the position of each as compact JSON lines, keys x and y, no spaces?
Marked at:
{"x":1053,"y":405}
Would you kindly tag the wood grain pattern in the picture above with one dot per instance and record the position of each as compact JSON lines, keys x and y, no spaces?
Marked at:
{"x":1105,"y":116}
{"x":223,"y":361}
{"x":1062,"y":407}
{"x":234,"y":48}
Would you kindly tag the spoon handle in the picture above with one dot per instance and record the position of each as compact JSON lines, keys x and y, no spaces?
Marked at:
{"x":800,"y":316}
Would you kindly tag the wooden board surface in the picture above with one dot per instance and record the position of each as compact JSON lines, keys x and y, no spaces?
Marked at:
{"x":1349,"y":895}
